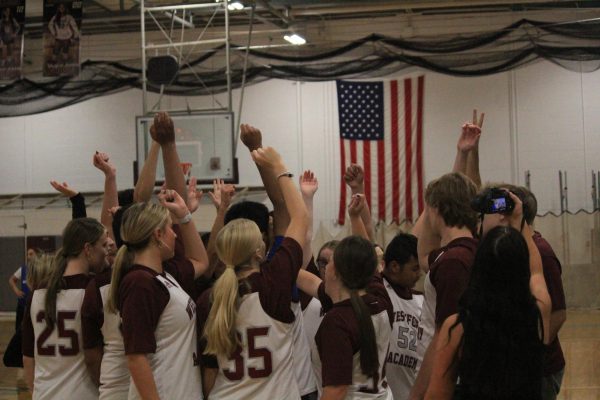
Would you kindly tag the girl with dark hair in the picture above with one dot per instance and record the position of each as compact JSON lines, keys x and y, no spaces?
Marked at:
{"x":52,"y":356}
{"x":353,"y":338}
{"x":494,"y":344}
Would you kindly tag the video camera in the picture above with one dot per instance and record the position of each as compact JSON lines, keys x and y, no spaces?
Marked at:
{"x":493,"y":201}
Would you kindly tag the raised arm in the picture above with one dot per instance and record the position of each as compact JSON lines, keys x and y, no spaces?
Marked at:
{"x":467,"y":149}
{"x":427,"y":239}
{"x":270,"y":160}
{"x":252,"y":138}
{"x":144,"y":187}
{"x":77,"y":200}
{"x":354,"y":178}
{"x":163,"y":132}
{"x":355,"y":208}
{"x":194,"y":249}
{"x":308,"y":187}
{"x":537,"y":282}
{"x":110,"y":199}
{"x":221,"y":197}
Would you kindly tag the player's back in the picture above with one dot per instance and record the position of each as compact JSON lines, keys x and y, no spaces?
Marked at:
{"x":60,"y":371}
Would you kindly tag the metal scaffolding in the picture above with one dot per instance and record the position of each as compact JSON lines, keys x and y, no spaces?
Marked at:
{"x":182,"y":14}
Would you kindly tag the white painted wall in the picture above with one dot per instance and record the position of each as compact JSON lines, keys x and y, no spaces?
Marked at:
{"x":550,"y":109}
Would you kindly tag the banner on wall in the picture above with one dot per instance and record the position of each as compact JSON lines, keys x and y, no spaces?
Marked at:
{"x":12,"y":22}
{"x":62,"y":21}
{"x":381,"y":129}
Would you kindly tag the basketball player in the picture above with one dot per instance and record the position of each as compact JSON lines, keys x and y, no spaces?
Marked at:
{"x":245,"y":321}
{"x":52,"y":356}
{"x":150,"y":286}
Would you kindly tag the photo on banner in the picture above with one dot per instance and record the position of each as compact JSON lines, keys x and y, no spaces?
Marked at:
{"x":12,"y":22}
{"x":62,"y":21}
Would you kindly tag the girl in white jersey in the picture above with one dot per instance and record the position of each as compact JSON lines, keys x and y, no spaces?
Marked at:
{"x":150,"y":286}
{"x":52,"y":344}
{"x":247,"y":338}
{"x":352,"y":341}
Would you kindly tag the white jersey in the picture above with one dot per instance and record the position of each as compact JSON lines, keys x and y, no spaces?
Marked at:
{"x":427,"y":318}
{"x":362,"y":386}
{"x":262,"y":368}
{"x":114,"y":374}
{"x":403,"y":357}
{"x":60,"y":371}
{"x":175,"y":338}
{"x":312,"y":316}
{"x":301,"y":357}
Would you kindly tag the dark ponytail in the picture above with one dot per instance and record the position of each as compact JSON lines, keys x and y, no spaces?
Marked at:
{"x":355,"y":261}
{"x":76,"y":234}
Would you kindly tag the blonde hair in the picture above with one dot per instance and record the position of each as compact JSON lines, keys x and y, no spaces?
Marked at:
{"x":236,"y":243}
{"x":38,"y":270}
{"x":138,"y":224}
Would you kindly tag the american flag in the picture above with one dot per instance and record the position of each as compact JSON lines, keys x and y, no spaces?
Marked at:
{"x":381,"y":128}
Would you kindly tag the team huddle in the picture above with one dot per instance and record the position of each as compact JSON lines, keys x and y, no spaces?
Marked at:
{"x":139,"y":306}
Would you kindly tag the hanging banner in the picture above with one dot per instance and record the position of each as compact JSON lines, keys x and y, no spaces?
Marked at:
{"x":12,"y":22}
{"x":62,"y":20}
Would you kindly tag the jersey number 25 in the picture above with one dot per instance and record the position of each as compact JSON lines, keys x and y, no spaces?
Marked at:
{"x":44,"y":349}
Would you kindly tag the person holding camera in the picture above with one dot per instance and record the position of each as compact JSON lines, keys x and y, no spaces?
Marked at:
{"x":491,"y":203}
{"x":494,"y":345}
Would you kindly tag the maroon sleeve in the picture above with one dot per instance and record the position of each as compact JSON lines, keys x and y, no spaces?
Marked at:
{"x":278,"y":276}
{"x":180,"y":267}
{"x":142,"y":303}
{"x":27,"y":334}
{"x":326,"y":302}
{"x":377,"y":289}
{"x":92,"y":317}
{"x":335,"y":348}
{"x":202,"y":310}
{"x":434,"y":255}
{"x":552,"y":269}
{"x":305,"y":298}
{"x":450,"y":281}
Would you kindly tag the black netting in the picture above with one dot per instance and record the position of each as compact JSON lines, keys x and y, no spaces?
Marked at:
{"x":572,"y":45}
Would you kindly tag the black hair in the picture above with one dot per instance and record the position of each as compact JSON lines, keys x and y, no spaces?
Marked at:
{"x":355,"y":261}
{"x":501,"y":350}
{"x":116,"y":224}
{"x":402,"y":247}
{"x":257,"y":212}
{"x":125,"y":197}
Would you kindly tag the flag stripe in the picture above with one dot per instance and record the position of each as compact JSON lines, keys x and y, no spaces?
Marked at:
{"x":421,"y":88}
{"x":367,"y":168}
{"x":342,"y":213}
{"x":395,"y":164}
{"x":381,"y":180}
{"x":408,"y":145}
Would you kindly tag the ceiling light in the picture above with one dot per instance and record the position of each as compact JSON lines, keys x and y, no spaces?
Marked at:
{"x":235,"y":6}
{"x":295,"y":39}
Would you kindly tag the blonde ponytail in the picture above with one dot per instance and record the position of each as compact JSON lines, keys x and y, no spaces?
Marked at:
{"x":236,"y":243}
{"x":123,"y":261}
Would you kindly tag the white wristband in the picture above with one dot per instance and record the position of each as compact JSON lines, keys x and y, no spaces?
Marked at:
{"x":186,"y":219}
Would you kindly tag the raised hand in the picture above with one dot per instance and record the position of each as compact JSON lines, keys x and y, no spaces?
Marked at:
{"x":162,"y":129}
{"x":356,"y":205}
{"x":102,"y":162}
{"x":354,"y":177}
{"x":251,"y":137}
{"x":471,"y":132}
{"x":308,"y":184}
{"x":221,"y":194}
{"x":64,"y":188}
{"x":193,"y":195}
{"x":268,"y":157}
{"x":516,"y":217}
{"x":173,"y":202}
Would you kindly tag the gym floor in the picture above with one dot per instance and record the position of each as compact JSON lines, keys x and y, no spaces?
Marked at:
{"x":580,"y":339}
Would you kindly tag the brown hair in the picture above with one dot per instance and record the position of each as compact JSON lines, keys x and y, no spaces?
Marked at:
{"x":451,"y":195}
